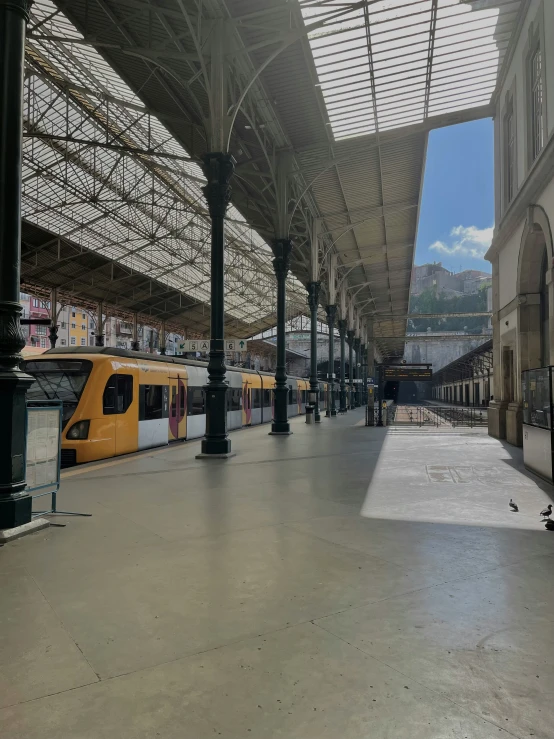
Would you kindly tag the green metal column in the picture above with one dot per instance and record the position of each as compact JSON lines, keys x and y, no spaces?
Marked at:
{"x":135,"y":345}
{"x":358,"y":400}
{"x":363,"y":373}
{"x":342,"y":397}
{"x":15,"y":505}
{"x":99,"y":336}
{"x":163,"y":339}
{"x":313,"y":302}
{"x":218,"y":168}
{"x":281,"y":264}
{"x":350,"y":335}
{"x":331,"y":311}
{"x":53,"y":330}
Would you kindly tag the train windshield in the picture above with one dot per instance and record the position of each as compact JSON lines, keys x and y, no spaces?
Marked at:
{"x":58,"y":379}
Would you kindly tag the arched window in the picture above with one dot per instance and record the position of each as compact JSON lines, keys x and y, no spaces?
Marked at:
{"x":545,"y":314}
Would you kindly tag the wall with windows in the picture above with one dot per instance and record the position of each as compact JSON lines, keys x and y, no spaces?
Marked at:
{"x":525,"y":106}
{"x":522,"y":250}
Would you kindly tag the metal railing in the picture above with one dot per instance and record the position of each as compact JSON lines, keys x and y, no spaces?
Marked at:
{"x":412,"y":415}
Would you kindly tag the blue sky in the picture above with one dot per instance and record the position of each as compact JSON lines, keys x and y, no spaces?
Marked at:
{"x":457,"y":210}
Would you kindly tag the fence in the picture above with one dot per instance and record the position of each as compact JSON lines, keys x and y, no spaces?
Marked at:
{"x":414,"y":415}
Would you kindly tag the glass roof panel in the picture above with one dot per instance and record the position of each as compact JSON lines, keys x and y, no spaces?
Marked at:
{"x":146,"y":211}
{"x":399,"y":50}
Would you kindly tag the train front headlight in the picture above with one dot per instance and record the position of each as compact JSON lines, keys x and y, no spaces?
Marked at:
{"x":79,"y":430}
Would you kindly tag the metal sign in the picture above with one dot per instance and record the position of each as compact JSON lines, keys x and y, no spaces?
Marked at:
{"x":195,"y":345}
{"x":203,"y":345}
{"x":236,"y":345}
{"x":401,"y":372}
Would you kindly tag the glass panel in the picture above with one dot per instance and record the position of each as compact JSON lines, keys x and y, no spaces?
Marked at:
{"x":525,"y":397}
{"x":540,"y":412}
{"x":405,"y":44}
{"x":537,"y":102}
{"x":62,"y":379}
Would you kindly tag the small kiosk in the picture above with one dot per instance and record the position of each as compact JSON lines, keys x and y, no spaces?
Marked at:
{"x":538,"y":444}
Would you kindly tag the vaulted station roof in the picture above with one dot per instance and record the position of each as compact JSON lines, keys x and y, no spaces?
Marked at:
{"x":117,"y":103}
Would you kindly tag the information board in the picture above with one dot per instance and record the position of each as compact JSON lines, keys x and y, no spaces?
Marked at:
{"x":398,"y":373}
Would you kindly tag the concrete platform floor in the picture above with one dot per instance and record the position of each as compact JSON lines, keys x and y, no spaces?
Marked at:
{"x":340,"y":583}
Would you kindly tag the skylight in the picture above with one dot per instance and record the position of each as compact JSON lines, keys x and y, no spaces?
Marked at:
{"x":145,"y":211}
{"x":394,"y":63}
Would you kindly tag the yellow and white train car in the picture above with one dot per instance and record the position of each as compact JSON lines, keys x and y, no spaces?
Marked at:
{"x":117,"y":401}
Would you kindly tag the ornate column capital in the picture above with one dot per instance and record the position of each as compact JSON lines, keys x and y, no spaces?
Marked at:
{"x":12,"y":338}
{"x":23,"y":7}
{"x":342,"y":327}
{"x":282,"y":249}
{"x":331,"y":311}
{"x":218,"y":168}
{"x":350,"y":336}
{"x":314,"y":288}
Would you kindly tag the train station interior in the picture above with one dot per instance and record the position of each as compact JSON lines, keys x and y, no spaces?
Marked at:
{"x":240,"y":496}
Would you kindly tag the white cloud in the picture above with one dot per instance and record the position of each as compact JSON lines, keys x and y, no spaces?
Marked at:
{"x":467,"y":240}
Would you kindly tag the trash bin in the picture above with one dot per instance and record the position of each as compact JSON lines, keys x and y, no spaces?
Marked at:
{"x":309,"y":414}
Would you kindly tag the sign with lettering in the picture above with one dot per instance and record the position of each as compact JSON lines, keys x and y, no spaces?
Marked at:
{"x":195,"y":345}
{"x":399,"y":373}
{"x":236,"y":345}
{"x":203,"y":345}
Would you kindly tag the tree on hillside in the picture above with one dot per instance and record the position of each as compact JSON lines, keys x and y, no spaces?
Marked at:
{"x":430,"y":302}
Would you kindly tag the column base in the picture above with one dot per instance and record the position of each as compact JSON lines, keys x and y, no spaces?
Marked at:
{"x":226,"y":455}
{"x":215,"y":448}
{"x":497,"y":419}
{"x":514,"y":424}
{"x":15,"y":511}
{"x":280,"y":429}
{"x":17,"y":532}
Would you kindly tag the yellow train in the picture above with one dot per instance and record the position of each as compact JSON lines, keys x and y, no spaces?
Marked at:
{"x":117,"y":401}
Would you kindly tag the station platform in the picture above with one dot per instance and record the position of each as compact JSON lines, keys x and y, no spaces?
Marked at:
{"x":343,"y":582}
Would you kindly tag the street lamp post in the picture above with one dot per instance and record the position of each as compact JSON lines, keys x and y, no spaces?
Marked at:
{"x":313,"y":301}
{"x":15,"y":504}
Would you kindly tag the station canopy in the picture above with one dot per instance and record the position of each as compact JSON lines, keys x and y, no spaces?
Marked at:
{"x":116,"y":101}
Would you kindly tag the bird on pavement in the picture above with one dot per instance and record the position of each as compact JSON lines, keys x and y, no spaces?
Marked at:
{"x":547,"y":511}
{"x":513,"y":506}
{"x":549,"y":525}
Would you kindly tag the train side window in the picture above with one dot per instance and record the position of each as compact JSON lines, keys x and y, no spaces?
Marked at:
{"x":236,"y":399}
{"x":182,"y":396}
{"x":124,"y":396}
{"x":196,"y":401}
{"x":267,"y":398}
{"x":152,"y":402}
{"x":256,"y":399}
{"x":118,"y":395}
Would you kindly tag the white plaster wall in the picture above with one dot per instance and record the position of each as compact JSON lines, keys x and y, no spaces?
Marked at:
{"x":508,"y":323}
{"x":508,"y":260}
{"x":547,"y":197}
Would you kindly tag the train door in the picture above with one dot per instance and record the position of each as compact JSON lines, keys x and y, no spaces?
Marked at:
{"x":246,"y":402}
{"x":177,"y":407}
{"x":117,"y":402}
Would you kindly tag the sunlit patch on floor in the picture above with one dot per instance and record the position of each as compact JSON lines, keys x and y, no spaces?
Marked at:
{"x":463,"y":478}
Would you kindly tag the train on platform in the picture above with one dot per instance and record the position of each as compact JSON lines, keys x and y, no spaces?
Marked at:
{"x":117,"y":401}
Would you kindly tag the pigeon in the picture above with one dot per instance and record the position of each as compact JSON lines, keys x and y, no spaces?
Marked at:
{"x":549,"y":525}
{"x":547,"y":511}
{"x":513,"y":506}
